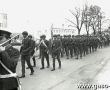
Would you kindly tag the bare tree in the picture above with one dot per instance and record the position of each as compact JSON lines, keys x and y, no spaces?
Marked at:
{"x":95,"y":25}
{"x":93,"y":12}
{"x":90,"y":16}
{"x":79,"y":17}
{"x":87,"y":18}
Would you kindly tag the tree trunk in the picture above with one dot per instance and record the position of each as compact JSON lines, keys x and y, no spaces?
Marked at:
{"x":87,"y":33}
{"x":78,"y":31}
{"x":94,"y":30}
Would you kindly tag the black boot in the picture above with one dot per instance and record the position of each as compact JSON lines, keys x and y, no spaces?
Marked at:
{"x":41,"y":68}
{"x":34,"y":61}
{"x":23,"y":76}
{"x":53,"y":69}
{"x":32,"y":72}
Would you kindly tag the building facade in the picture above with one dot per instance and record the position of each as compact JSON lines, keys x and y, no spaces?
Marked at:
{"x":3,"y":21}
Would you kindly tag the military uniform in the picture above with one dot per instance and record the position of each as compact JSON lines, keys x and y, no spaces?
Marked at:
{"x":69,"y":47}
{"x":25,"y":51}
{"x":56,"y":48}
{"x":73,"y":45}
{"x":33,"y":51}
{"x":9,"y":58}
{"x":63,"y":46}
{"x":61,"y":51}
{"x":80,"y":46}
{"x":44,"y":47}
{"x":66,"y":45}
{"x":85,"y":45}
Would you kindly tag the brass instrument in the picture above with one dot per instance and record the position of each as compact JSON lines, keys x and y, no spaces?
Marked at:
{"x":9,"y":40}
{"x":11,"y":74}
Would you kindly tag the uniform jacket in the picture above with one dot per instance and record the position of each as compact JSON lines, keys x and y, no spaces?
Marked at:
{"x":43,"y":47}
{"x":33,"y":47}
{"x":56,"y":46}
{"x":26,"y":47}
{"x":8,"y":59}
{"x":69,"y":42}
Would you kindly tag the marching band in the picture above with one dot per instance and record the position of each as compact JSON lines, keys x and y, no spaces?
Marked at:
{"x":70,"y":46}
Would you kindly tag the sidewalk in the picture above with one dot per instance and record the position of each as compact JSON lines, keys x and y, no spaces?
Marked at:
{"x":72,"y":73}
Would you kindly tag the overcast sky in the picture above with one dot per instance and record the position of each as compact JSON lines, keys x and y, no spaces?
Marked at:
{"x":35,"y":15}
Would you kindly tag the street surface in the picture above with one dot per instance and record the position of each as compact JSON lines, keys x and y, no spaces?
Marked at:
{"x":91,"y":69}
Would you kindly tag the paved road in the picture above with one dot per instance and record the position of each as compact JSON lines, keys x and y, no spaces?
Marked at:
{"x":89,"y":69}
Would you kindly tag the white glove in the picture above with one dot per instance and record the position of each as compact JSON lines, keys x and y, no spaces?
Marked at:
{"x":2,"y":48}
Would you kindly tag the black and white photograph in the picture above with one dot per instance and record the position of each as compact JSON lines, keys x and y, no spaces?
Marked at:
{"x":54,"y":44}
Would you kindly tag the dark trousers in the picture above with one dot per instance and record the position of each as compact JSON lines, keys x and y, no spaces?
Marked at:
{"x":90,"y":47}
{"x":34,"y":61}
{"x":44,"y":55}
{"x":69,"y":51}
{"x":66,"y":50}
{"x":77,"y":52}
{"x":56,"y":56}
{"x":39,"y":53}
{"x":62,"y":52}
{"x":27,"y":59}
{"x":85,"y":49}
{"x":81,"y":50}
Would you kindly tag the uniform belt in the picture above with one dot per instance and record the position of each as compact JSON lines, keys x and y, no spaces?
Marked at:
{"x":8,"y":75}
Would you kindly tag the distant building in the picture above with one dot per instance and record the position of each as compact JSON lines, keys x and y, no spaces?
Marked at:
{"x":3,"y":25}
{"x":3,"y":21}
{"x":63,"y":31}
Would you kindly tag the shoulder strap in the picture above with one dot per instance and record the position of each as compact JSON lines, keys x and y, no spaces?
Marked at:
{"x":44,"y":43}
{"x":19,"y":83}
{"x":6,"y":68}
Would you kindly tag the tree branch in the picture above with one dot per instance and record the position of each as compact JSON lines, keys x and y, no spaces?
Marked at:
{"x":71,"y":22}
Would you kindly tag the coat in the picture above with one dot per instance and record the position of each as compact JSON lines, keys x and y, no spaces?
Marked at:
{"x":56,"y":46}
{"x":26,"y":47}
{"x":44,"y":48}
{"x":8,"y":58}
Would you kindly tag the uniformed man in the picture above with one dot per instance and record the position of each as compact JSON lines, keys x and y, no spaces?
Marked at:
{"x":85,"y":45}
{"x":62,"y":48}
{"x":77,"y":44}
{"x":25,"y":51}
{"x":65,"y":40}
{"x":73,"y":45}
{"x":60,"y":39}
{"x":33,"y":50}
{"x":56,"y":48}
{"x":44,"y":47}
{"x":69,"y":47}
{"x":8,"y":61}
{"x":39,"y":48}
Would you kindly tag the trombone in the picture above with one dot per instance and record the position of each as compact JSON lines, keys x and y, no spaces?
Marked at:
{"x":9,"y":40}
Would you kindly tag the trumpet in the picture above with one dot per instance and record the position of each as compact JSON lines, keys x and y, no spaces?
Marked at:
{"x":9,"y":40}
